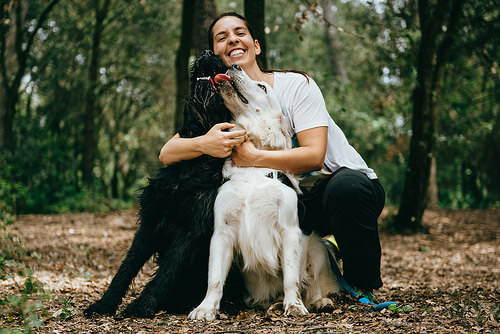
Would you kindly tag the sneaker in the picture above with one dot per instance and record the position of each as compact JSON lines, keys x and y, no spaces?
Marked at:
{"x":333,"y":247}
{"x":368,"y":294}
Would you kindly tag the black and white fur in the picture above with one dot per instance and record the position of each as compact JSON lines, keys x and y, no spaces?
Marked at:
{"x":176,"y":214}
{"x":256,"y":218}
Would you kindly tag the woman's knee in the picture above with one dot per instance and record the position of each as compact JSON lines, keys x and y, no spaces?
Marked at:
{"x":348,"y":188}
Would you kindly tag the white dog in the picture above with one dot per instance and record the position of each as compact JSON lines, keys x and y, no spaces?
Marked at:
{"x":256,"y":217}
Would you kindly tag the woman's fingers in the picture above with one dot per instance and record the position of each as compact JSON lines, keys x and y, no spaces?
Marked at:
{"x":236,"y":134}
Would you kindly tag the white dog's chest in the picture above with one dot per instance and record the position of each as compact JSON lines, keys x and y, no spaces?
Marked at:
{"x":265,"y":131}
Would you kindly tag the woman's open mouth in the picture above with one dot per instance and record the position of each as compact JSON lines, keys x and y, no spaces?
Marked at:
{"x":236,"y":53}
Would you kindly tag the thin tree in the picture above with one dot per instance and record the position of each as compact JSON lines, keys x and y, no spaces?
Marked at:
{"x":196,"y":16}
{"x":255,"y":15}
{"x":205,"y":12}
{"x":91,"y":105}
{"x":433,"y":55}
{"x":333,"y":42}
{"x":16,"y":33}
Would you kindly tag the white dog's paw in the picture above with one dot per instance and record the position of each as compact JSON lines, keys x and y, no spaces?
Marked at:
{"x":323,"y":305}
{"x":295,"y":308}
{"x":203,"y":313}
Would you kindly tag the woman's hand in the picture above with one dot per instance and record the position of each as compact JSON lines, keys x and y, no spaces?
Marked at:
{"x":219,"y":143}
{"x":245,"y":155}
{"x":216,"y":142}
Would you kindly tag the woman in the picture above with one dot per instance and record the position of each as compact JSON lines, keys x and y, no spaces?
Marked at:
{"x":345,"y":203}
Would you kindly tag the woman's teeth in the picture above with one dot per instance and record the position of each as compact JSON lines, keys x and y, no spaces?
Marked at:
{"x":236,"y":53}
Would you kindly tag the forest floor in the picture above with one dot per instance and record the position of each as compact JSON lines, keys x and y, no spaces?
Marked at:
{"x":446,"y":281}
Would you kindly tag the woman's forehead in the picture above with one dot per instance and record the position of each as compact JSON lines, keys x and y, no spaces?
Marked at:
{"x":229,"y":23}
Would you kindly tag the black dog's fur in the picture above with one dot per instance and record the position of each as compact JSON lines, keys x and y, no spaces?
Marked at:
{"x":176,"y":215}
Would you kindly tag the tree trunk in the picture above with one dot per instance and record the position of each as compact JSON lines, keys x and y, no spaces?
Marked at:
{"x":182,"y":59}
{"x":255,"y":15}
{"x":432,"y":191}
{"x":15,"y":35}
{"x":91,"y":105}
{"x":114,"y":178}
{"x":204,"y":13}
{"x":8,"y":119}
{"x":430,"y":77}
{"x":332,"y":40}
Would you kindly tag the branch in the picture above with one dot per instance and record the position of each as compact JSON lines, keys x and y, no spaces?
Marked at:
{"x":19,"y":31}
{"x":39,"y":24}
{"x":3,"y":40}
{"x":447,"y":43}
{"x":23,"y":54}
{"x":330,"y":24}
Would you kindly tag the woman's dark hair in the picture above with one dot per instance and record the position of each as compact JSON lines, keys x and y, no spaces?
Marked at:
{"x":210,"y":40}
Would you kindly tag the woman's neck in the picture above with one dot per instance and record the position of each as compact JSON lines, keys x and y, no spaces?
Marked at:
{"x":256,"y":74}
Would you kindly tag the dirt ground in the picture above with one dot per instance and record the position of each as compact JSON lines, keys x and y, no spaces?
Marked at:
{"x":449,"y":278}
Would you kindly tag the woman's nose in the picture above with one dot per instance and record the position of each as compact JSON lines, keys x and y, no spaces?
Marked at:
{"x":233,"y":38}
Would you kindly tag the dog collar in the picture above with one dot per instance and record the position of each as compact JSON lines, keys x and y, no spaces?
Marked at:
{"x":280,"y":176}
{"x":209,"y":79}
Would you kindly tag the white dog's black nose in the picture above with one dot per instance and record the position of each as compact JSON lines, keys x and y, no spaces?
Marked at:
{"x":236,"y":67}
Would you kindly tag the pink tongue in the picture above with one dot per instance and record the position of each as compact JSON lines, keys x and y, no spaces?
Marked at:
{"x":221,"y":77}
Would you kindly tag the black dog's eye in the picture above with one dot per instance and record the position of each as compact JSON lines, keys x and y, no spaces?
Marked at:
{"x":263,"y":87}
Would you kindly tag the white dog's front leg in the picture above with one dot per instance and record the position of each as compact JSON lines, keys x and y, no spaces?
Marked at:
{"x":221,"y":256}
{"x":292,"y":253}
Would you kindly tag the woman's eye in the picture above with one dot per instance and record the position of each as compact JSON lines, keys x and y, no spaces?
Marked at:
{"x":263,"y":88}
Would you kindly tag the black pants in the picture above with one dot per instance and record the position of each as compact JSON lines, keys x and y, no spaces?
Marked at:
{"x":347,"y":205}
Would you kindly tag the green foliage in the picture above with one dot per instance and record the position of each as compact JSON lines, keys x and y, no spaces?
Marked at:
{"x":25,"y":307}
{"x":136,"y":89}
{"x":12,"y":192}
{"x":67,"y":309}
{"x":396,"y":309}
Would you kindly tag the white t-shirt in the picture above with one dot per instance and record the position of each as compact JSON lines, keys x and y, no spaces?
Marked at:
{"x":303,"y":105}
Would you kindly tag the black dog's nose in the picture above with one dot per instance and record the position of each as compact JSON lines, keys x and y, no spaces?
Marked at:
{"x":236,"y":67}
{"x":207,"y":53}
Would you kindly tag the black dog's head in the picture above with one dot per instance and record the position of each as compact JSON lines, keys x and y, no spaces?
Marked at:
{"x":204,"y":106}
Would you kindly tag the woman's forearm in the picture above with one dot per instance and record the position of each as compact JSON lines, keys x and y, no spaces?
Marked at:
{"x":178,"y":149}
{"x":297,"y":160}
{"x":308,"y":157}
{"x":217,"y":142}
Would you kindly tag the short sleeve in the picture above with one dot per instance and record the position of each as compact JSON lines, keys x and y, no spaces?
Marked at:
{"x":307,"y":109}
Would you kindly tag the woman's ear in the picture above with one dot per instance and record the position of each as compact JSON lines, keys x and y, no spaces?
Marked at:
{"x":258,"y":50}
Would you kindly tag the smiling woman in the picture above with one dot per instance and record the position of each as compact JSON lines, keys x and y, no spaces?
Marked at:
{"x":346,"y":200}
{"x":232,"y":40}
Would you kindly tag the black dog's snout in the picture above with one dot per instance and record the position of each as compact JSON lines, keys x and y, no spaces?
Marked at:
{"x":236,"y":67}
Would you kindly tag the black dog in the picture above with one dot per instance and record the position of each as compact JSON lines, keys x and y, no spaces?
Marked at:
{"x":176,"y":214}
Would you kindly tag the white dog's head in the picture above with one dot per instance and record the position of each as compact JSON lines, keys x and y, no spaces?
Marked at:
{"x":242,"y":94}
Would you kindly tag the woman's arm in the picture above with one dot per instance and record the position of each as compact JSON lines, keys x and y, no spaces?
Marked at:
{"x":215,"y":142}
{"x":308,"y":157}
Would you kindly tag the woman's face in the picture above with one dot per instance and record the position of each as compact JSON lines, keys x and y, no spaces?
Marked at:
{"x":233,"y":42}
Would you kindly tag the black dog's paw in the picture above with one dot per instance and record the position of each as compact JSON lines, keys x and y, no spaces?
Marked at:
{"x":139,"y":308}
{"x":100,"y":307}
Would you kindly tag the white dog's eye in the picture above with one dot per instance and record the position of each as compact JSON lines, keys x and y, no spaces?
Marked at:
{"x":263,"y":87}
